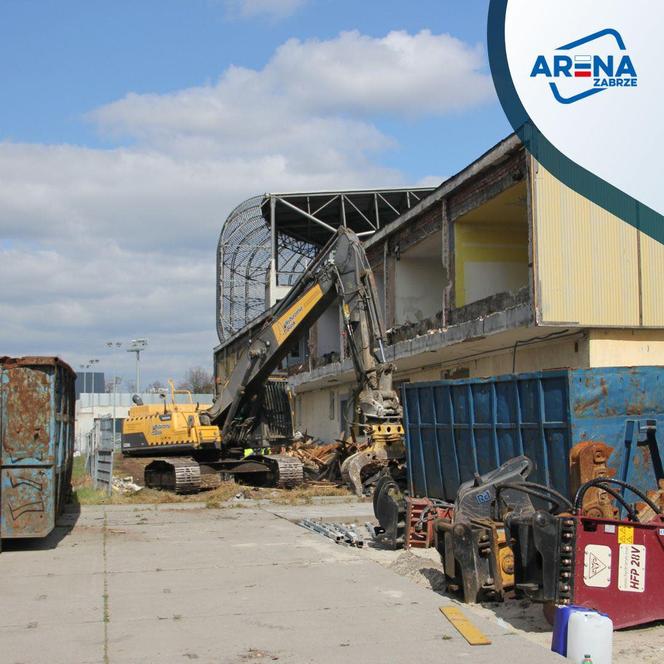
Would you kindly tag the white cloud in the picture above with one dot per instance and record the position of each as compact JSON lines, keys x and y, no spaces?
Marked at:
{"x":272,"y":8}
{"x":119,"y":244}
{"x":306,"y":85}
{"x":430,"y":181}
{"x":147,"y":199}
{"x":114,"y":244}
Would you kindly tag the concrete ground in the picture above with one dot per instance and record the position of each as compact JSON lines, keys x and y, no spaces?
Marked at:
{"x":177,"y":583}
{"x":424,"y":567}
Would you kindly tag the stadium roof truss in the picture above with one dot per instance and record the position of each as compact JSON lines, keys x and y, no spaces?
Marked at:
{"x":268,"y":241}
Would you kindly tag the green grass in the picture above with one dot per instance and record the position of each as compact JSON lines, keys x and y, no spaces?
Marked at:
{"x":86,"y":495}
{"x":78,"y":474}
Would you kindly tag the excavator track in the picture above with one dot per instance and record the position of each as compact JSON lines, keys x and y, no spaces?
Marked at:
{"x":286,"y":471}
{"x":188,"y":476}
{"x":179,"y":475}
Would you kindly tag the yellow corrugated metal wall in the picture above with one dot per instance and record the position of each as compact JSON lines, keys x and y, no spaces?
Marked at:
{"x":652,"y":280}
{"x":586,"y":266}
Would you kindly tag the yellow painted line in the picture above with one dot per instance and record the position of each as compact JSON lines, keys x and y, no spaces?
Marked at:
{"x":464,"y":626}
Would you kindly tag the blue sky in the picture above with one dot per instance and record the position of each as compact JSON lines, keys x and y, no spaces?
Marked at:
{"x":129,"y":130}
{"x":59,"y":60}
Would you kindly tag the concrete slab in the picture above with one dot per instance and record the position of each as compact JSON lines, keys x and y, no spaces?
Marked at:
{"x":81,"y":643}
{"x":53,"y":599}
{"x":177,"y":583}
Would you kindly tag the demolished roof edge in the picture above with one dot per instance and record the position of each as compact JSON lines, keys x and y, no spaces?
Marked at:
{"x":489,"y":158}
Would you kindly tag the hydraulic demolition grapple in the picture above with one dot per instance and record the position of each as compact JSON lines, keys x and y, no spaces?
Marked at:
{"x":473,"y":543}
{"x":508,"y":534}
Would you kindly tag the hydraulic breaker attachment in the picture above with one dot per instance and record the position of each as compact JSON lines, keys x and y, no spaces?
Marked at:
{"x":614,"y":567}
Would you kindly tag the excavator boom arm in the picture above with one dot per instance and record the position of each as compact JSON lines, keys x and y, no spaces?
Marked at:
{"x":341,"y":270}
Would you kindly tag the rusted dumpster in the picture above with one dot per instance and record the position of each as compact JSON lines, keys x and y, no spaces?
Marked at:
{"x":457,"y":428}
{"x":37,"y":403}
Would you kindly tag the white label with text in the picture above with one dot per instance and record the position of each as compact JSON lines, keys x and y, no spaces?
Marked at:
{"x":632,"y":568}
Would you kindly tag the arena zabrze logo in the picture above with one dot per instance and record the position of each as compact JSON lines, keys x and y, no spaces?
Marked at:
{"x":580,"y":64}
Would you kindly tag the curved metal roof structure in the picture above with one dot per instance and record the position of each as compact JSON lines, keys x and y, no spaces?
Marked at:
{"x":267,"y":242}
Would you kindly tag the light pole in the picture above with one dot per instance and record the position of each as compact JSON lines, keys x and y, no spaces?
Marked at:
{"x":91,"y":364}
{"x":136,"y":346}
{"x":78,"y":428}
{"x":85,"y":368}
{"x":115,"y":385}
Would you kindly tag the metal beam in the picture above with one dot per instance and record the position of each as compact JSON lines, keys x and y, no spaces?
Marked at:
{"x":389,"y":204}
{"x":307,"y":215}
{"x":361,"y":214}
{"x":324,"y":205}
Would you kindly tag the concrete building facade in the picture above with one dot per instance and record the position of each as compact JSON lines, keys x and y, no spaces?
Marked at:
{"x":501,"y":269}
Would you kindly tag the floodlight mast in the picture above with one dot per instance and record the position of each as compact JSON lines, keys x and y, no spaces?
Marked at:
{"x":136,"y":346}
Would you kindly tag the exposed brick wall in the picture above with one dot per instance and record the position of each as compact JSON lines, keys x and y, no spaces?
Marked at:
{"x":425,"y":224}
{"x":487,"y":185}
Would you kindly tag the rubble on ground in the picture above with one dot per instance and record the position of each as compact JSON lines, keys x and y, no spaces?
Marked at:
{"x":126,"y":485}
{"x":424,"y":568}
{"x":321,"y":461}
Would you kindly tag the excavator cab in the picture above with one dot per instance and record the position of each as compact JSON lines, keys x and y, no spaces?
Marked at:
{"x":168,"y":428}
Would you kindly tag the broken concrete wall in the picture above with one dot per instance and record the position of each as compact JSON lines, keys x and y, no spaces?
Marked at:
{"x":418,"y":292}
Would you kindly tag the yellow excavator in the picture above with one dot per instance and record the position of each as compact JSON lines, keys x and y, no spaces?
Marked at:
{"x":174,"y":428}
{"x":170,"y":423}
{"x":219,"y":436}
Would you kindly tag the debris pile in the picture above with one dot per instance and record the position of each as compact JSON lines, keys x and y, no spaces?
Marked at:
{"x":419,"y":328}
{"x":322,"y":462}
{"x":126,"y":485}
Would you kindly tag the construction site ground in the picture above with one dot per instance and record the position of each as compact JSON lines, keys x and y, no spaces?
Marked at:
{"x":242,"y":583}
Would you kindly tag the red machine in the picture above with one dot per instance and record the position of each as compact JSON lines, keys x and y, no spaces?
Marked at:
{"x":421,"y":513}
{"x":613,"y":566}
{"x":619,"y":569}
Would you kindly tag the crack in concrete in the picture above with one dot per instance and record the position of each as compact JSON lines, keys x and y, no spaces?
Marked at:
{"x":106,"y":610}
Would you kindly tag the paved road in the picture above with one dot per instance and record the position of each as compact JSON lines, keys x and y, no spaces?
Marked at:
{"x":181,"y":583}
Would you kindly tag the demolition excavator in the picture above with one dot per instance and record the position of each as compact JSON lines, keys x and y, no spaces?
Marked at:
{"x":220,"y":441}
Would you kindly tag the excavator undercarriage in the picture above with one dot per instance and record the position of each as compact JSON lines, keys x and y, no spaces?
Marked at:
{"x":184,"y":475}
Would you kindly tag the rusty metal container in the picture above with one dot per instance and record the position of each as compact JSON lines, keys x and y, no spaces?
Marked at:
{"x":37,"y":402}
{"x":456,"y":428}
